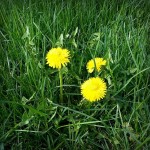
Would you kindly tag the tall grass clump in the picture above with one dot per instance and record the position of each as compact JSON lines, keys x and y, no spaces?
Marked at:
{"x":41,"y":109}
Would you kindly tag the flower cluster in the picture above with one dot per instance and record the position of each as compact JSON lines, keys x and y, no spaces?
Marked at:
{"x":92,"y":89}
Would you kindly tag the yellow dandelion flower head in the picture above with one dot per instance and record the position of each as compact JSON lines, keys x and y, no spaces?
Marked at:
{"x":58,"y":57}
{"x":94,"y":89}
{"x":98,"y":62}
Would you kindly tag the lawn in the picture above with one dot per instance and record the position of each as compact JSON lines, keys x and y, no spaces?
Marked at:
{"x":43,"y":107}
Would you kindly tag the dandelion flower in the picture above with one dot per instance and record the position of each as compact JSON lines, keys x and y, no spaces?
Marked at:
{"x":58,"y":57}
{"x":93,"y":89}
{"x":98,"y":63}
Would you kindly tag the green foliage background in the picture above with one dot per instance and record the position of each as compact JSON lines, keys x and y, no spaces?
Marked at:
{"x":30,"y":113}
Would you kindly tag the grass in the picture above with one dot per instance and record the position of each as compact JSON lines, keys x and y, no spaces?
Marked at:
{"x":30,"y":113}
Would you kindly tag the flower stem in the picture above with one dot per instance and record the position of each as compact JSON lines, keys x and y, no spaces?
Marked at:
{"x":61,"y":86}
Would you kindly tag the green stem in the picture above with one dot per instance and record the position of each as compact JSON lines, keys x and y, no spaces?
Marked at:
{"x":61,"y":86}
